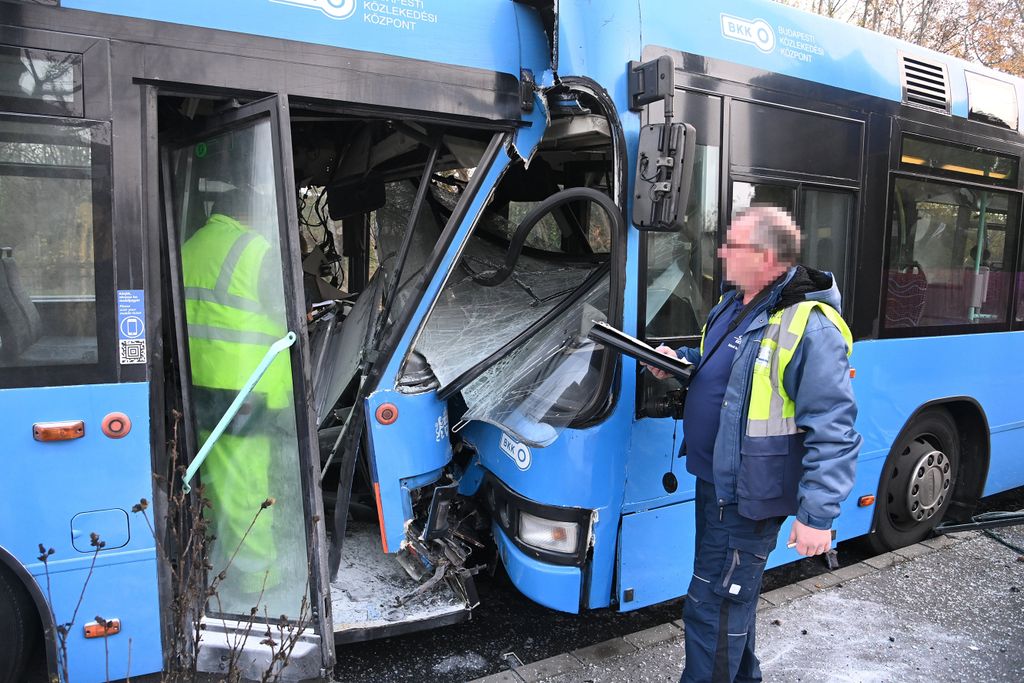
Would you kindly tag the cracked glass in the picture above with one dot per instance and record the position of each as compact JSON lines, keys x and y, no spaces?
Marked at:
{"x":471,"y":321}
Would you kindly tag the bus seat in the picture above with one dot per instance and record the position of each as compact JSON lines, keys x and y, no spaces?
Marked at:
{"x":20,"y":324}
{"x":21,"y":329}
{"x":905,"y":297}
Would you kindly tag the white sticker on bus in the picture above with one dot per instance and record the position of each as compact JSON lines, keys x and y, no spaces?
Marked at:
{"x":519,"y":452}
{"x":757,"y":32}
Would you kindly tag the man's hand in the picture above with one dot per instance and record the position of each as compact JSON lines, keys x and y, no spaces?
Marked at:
{"x":808,"y":541}
{"x":661,"y":374}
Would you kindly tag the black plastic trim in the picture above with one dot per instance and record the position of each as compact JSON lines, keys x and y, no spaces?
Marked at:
{"x":607,"y":393}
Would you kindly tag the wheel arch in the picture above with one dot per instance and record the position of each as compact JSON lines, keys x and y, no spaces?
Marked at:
{"x":971,"y":423}
{"x":30,"y":586}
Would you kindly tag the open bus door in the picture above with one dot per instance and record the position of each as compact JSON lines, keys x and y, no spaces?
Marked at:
{"x":230,"y":204}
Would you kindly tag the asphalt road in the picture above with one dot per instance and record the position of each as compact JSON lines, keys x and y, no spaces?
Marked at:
{"x":506,"y":622}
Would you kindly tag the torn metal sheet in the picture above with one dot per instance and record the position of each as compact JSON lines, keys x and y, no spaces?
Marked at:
{"x":527,"y":139}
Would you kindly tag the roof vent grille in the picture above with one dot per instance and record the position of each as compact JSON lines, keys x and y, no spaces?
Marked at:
{"x":925,"y":84}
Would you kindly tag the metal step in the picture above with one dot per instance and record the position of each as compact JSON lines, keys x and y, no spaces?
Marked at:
{"x":366,"y":592}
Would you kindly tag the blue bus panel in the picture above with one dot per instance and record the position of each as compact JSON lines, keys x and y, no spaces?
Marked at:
{"x":58,"y":493}
{"x":481,"y":34}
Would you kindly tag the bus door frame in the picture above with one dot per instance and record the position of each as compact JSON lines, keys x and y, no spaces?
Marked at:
{"x":276,"y":108}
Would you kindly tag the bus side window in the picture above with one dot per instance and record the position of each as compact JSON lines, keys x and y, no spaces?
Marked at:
{"x":937,"y":231}
{"x":824,"y":217}
{"x":48,"y":182}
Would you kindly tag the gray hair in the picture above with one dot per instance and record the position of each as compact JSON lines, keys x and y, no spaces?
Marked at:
{"x":775,"y":229}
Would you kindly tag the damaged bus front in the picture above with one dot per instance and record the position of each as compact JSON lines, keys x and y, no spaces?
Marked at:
{"x":523,"y":245}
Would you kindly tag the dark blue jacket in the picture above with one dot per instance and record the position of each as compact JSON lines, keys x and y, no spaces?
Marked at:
{"x":815,"y":473}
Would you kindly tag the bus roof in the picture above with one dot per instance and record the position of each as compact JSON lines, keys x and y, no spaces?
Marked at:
{"x":480,"y":34}
{"x":773,"y":37}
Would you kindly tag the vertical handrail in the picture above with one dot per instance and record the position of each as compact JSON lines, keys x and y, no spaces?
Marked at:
{"x":229,"y":415}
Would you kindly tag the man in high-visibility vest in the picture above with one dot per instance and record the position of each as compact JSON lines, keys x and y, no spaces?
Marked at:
{"x":234,"y":313}
{"x":769,"y":433}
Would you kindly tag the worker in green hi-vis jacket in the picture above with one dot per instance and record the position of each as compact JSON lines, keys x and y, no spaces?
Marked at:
{"x":232,"y":321}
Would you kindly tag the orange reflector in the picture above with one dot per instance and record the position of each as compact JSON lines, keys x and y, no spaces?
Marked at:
{"x":108,"y":627}
{"x":387,"y":413}
{"x":380,"y":518}
{"x":58,"y":431}
{"x":853,"y":372}
{"x":865,"y":501}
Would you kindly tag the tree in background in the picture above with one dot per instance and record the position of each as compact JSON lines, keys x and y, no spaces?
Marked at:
{"x":989,"y":32}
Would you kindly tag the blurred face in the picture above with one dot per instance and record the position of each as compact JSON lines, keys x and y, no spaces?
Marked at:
{"x":747,"y":265}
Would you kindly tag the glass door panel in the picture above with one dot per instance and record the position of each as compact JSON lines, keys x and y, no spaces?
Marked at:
{"x":226,"y":206}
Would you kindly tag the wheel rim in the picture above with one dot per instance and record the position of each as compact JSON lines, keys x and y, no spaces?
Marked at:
{"x":924,"y":476}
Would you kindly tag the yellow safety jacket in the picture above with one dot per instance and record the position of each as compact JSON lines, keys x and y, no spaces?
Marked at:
{"x":771,"y":411}
{"x":229,"y":330}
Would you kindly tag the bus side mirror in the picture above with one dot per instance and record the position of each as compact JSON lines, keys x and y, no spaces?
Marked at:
{"x":664,"y":172}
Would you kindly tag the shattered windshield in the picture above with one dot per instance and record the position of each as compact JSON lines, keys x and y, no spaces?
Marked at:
{"x":473,"y":317}
{"x":543,"y":385}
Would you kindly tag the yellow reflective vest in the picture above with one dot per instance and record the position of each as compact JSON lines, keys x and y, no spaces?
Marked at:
{"x":771,"y":411}
{"x":229,"y":328}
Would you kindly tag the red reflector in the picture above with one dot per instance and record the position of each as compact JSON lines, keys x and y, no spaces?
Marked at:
{"x":58,"y":431}
{"x":116,"y":425}
{"x":387,"y":413}
{"x":853,"y":372}
{"x":865,"y":501}
{"x":102,"y":629}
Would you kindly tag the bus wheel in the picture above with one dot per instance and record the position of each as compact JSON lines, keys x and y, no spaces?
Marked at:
{"x":18,"y":627}
{"x":917,"y":481}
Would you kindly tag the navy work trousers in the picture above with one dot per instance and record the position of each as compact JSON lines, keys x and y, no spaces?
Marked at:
{"x":721,"y":604}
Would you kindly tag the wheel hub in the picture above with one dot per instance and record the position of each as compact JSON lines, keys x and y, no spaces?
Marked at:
{"x":929,"y":483}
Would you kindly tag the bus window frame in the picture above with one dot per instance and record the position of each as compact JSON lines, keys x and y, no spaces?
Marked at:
{"x":106,"y":368}
{"x":987,"y":137}
{"x":1012,"y":248}
{"x":95,"y":67}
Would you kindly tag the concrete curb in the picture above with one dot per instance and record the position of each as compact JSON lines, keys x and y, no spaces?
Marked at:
{"x":630,"y":643}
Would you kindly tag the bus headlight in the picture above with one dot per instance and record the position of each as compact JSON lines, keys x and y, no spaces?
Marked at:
{"x":548,"y":534}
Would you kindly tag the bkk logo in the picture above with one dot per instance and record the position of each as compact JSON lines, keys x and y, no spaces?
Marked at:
{"x":519,"y":452}
{"x":335,"y":9}
{"x":757,"y":32}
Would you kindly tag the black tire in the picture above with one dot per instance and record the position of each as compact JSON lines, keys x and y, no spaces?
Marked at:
{"x":917,"y":482}
{"x":19,"y":627}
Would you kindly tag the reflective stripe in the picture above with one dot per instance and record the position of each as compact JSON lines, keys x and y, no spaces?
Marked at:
{"x":227,"y":269}
{"x":236,"y":336}
{"x":221,"y":293}
{"x":212,"y":296}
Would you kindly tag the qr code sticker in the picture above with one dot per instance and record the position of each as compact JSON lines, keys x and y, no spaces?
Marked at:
{"x":133,"y":351}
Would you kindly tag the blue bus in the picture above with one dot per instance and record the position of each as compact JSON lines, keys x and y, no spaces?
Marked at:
{"x":433,"y":201}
